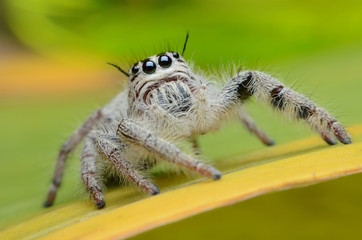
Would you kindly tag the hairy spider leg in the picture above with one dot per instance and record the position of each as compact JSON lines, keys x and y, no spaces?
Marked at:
{"x":135,"y":134}
{"x":68,"y":147}
{"x":195,"y":145}
{"x":89,"y":171}
{"x":111,"y":147}
{"x":268,"y":89}
{"x":250,"y":124}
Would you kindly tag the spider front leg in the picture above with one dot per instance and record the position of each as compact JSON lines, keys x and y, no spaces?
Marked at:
{"x":111,"y":147}
{"x":268,"y":89}
{"x":135,"y":134}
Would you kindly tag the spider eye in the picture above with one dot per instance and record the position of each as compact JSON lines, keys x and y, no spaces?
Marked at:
{"x":164,"y":61}
{"x":135,"y":69}
{"x":149,"y":67}
{"x":175,"y":55}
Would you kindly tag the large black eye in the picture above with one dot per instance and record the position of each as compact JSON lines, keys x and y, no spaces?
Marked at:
{"x":175,"y":55}
{"x":164,"y":61}
{"x":135,"y":69}
{"x":149,"y":67}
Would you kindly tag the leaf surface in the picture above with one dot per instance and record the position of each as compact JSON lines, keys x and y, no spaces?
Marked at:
{"x":299,"y":163}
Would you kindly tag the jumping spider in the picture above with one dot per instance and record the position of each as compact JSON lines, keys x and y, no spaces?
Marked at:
{"x":165,"y":101}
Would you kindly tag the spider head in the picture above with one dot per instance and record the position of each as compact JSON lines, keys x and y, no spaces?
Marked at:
{"x":158,"y":67}
{"x":152,"y":72}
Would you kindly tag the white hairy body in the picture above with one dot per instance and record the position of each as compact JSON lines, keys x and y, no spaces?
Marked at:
{"x":165,"y":102}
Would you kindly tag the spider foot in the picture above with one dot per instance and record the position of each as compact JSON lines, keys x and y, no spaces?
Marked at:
{"x":47,"y":204}
{"x":341,"y":134}
{"x":101,"y":204}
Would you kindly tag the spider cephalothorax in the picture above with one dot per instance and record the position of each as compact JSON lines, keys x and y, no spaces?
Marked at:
{"x":166,"y":102}
{"x":154,"y":79}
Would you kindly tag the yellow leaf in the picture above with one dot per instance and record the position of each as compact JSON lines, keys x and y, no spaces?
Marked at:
{"x":303,"y":162}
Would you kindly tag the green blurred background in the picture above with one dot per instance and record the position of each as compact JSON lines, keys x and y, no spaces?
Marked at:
{"x":53,"y":74}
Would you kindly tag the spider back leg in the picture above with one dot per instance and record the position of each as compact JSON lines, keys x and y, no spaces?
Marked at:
{"x":195,"y":145}
{"x":89,"y":172}
{"x":250,"y":124}
{"x":67,"y":148}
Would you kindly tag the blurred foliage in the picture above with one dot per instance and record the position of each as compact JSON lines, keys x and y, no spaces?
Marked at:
{"x":228,"y":29}
{"x":317,"y":44}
